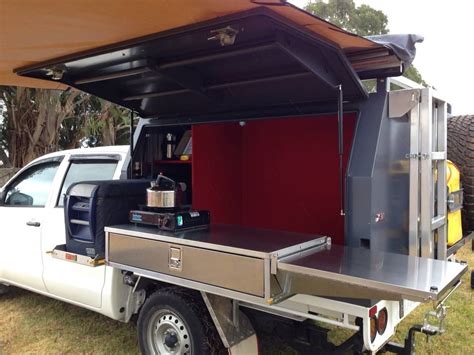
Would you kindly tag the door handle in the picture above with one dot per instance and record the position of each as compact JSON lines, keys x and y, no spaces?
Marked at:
{"x":33,"y":224}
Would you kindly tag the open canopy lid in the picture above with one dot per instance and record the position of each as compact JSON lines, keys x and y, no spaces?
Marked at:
{"x":32,"y":32}
{"x":249,"y":61}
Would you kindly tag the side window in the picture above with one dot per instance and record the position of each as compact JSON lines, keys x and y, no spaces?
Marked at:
{"x":86,"y":171}
{"x":32,"y":187}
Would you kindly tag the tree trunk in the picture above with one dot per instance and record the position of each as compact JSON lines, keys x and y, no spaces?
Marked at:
{"x":4,"y":159}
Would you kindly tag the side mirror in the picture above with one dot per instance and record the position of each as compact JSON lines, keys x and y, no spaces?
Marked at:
{"x":20,"y":199}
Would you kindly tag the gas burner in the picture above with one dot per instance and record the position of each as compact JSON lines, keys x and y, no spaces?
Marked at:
{"x":172,"y":220}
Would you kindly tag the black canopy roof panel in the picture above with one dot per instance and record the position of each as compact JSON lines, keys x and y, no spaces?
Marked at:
{"x":251,"y":62}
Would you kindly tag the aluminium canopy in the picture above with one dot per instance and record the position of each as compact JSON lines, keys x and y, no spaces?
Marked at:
{"x":188,"y":58}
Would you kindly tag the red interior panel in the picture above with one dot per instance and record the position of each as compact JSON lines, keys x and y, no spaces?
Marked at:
{"x":216,"y":174}
{"x":279,"y":174}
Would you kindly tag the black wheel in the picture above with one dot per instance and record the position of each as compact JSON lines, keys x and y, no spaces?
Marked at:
{"x":4,"y":289}
{"x":173,"y":321}
{"x":461,"y":153}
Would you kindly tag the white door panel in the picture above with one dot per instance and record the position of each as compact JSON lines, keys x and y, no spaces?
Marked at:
{"x":78,"y":283}
{"x":75,"y":282}
{"x":22,"y":216}
{"x":20,"y":252}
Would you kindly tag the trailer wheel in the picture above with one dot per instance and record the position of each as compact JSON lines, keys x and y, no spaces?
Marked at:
{"x":174,"y":321}
{"x":461,"y":153}
{"x":4,"y":289}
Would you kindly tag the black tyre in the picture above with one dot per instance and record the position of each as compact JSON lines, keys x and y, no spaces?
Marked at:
{"x":177,"y":322}
{"x":461,"y":153}
{"x":472,"y":279}
{"x":4,"y":289}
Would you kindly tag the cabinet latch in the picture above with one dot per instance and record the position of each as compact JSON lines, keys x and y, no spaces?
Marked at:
{"x":175,"y":261}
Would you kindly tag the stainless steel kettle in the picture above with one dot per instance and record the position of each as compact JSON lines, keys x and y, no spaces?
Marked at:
{"x":162,"y":193}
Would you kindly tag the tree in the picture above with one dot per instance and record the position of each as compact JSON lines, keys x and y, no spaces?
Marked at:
{"x":363,"y":20}
{"x":37,"y":121}
{"x":32,"y":121}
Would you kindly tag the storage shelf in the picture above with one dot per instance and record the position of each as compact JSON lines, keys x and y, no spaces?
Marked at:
{"x":173,"y":161}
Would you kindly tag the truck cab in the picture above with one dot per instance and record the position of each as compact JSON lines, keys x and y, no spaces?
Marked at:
{"x":32,"y":219}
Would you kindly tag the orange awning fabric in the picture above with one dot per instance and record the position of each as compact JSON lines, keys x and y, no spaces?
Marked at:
{"x":35,"y":31}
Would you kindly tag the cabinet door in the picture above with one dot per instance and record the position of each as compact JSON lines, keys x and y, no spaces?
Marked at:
{"x":22,"y":214}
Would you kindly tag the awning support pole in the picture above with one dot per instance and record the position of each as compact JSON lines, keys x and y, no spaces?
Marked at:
{"x":340,"y":124}
{"x":131,"y":144}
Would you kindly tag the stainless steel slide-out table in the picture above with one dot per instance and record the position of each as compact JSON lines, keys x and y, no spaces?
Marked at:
{"x":272,"y":265}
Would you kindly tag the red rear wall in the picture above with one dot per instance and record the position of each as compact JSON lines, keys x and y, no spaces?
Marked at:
{"x":278,"y":174}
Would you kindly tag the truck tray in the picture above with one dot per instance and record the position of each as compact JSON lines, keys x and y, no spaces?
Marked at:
{"x":274,"y":265}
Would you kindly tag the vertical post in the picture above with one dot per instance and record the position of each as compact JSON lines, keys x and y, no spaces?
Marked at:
{"x":414,"y":194}
{"x":131,"y":144}
{"x":427,"y":175}
{"x":442,"y":209}
{"x":340,"y":123}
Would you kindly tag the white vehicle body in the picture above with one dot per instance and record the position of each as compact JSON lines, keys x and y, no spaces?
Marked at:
{"x":29,"y":233}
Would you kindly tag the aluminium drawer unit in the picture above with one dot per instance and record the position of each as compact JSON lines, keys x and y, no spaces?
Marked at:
{"x":271,"y":266}
{"x":229,"y":257}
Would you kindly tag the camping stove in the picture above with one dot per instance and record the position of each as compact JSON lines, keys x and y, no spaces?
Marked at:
{"x":170,"y":220}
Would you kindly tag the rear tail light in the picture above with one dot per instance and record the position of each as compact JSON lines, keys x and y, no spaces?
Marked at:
{"x":382,"y":320}
{"x":373,"y":328}
{"x":373,"y":311}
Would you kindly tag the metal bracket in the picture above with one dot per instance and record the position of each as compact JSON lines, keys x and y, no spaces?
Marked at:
{"x":135,"y":300}
{"x":56,"y":72}
{"x":455,"y":200}
{"x":420,"y":156}
{"x":232,"y":325}
{"x":439,"y":316}
{"x":401,"y":309}
{"x":402,"y":101}
{"x":314,"y":62}
{"x":226,"y":36}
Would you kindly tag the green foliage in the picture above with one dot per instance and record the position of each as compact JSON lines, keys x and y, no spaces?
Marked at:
{"x":362,"y":20}
{"x":34,"y":122}
{"x":413,"y":74}
{"x":108,"y":122}
{"x":369,"y":21}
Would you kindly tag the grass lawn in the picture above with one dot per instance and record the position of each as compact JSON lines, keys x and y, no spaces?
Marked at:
{"x":36,"y":324}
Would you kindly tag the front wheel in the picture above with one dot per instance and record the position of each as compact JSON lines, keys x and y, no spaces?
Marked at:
{"x":173,"y":321}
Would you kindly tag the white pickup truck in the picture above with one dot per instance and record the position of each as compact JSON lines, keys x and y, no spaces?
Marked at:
{"x":31,"y":210}
{"x":328,"y":203}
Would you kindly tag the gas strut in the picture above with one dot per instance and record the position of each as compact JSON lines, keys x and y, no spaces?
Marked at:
{"x":131,"y":143}
{"x":340,"y":124}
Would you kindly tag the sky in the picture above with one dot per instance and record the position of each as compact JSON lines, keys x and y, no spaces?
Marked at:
{"x":446,"y":57}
